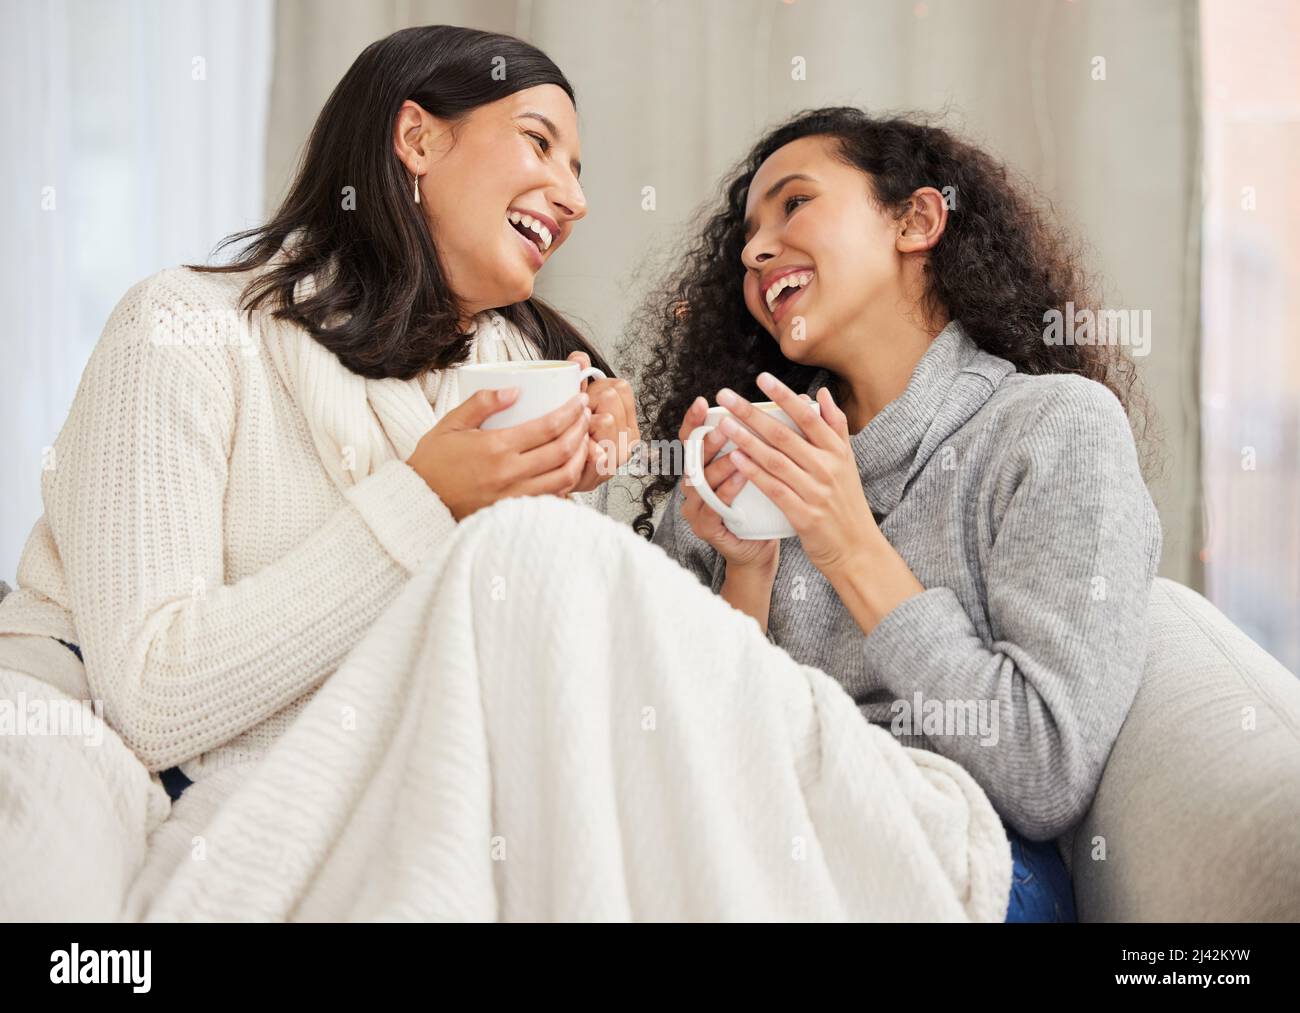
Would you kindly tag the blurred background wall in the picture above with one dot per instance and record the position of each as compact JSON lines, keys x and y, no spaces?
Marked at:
{"x":1097,"y":103}
{"x":164,"y":126}
{"x":134,"y":138}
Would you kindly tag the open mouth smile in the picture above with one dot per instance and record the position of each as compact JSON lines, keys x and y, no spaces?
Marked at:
{"x":535,"y":231}
{"x":784,"y":289}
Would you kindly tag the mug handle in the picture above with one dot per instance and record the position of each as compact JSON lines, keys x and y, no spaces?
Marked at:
{"x":695,"y":476}
{"x":591,"y":373}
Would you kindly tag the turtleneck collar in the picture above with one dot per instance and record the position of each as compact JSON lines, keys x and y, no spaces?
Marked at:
{"x":950,"y":383}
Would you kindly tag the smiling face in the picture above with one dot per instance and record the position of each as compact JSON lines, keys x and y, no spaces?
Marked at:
{"x":820,"y":255}
{"x":500,"y":191}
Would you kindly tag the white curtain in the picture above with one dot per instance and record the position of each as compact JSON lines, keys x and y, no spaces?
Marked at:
{"x":1251,"y":381}
{"x":1097,"y":103}
{"x":134,"y":139}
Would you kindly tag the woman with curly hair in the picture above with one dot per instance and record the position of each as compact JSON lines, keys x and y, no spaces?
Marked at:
{"x":974,"y":533}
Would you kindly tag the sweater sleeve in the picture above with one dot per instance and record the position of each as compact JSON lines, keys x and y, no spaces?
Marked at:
{"x":675,"y":537}
{"x":1067,"y":579}
{"x":182,"y":661}
{"x":597,"y":499}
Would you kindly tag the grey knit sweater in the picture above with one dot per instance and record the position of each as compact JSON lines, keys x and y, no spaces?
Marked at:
{"x":1018,"y":503}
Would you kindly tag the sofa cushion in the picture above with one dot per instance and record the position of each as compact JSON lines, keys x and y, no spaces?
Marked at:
{"x":1197,"y":816}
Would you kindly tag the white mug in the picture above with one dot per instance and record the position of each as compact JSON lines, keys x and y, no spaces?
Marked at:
{"x":544,"y":385}
{"x":751,"y":516}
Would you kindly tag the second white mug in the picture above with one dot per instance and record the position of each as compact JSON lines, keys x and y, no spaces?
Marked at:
{"x":751,"y":516}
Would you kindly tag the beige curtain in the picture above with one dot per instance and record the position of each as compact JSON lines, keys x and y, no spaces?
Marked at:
{"x":1097,"y":103}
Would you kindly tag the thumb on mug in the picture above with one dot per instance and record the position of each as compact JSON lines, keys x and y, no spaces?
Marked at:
{"x":479,"y":407}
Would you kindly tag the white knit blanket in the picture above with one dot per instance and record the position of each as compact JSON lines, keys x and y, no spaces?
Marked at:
{"x":76,"y":807}
{"x":552,"y":721}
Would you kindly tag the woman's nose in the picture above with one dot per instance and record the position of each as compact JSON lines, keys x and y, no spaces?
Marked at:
{"x":571,"y":202}
{"x":758,"y":251}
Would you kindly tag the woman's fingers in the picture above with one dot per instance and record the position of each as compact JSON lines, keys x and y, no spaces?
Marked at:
{"x":801,"y":411}
{"x":584,"y":362}
{"x":609,"y":416}
{"x":711,"y":443}
{"x":605,"y":401}
{"x":719,"y":471}
{"x":694,"y":418}
{"x":552,"y":455}
{"x":624,"y":390}
{"x":803,"y":481}
{"x":603,"y":425}
{"x":702,"y":518}
{"x":560,"y":480}
{"x":833,"y":414}
{"x":729,"y":488}
{"x":772,"y":434}
{"x":614,"y":398}
{"x":785,"y":498}
{"x":709,"y":447}
{"x":604,"y":431}
{"x":546,"y":428}
{"x":596,"y":468}
{"x":478,"y":408}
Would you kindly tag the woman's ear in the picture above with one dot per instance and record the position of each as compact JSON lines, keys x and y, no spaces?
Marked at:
{"x":923,"y":222}
{"x":415,"y":136}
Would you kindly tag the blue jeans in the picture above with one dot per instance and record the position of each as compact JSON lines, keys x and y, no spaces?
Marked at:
{"x":173,"y":780}
{"x":1040,"y":883}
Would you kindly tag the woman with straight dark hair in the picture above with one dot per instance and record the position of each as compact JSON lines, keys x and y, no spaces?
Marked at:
{"x":261,"y":453}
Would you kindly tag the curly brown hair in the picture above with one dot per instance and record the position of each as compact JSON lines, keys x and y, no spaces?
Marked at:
{"x":1000,"y":266}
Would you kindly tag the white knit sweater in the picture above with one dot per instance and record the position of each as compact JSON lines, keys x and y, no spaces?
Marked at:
{"x":195,"y":545}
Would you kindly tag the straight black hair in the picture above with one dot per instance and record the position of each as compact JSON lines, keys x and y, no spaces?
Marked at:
{"x":382,"y":303}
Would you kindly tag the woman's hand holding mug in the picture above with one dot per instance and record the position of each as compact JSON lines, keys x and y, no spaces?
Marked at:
{"x":613,"y":430}
{"x":471,"y":468}
{"x":725,"y":481}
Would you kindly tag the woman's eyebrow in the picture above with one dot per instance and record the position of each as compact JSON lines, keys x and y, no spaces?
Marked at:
{"x":545,"y":121}
{"x":773,"y":190}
